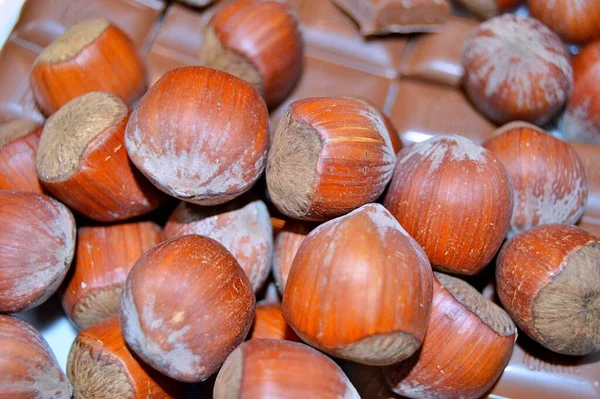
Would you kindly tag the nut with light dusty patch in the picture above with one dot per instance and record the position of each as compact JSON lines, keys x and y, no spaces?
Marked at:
{"x":105,"y":254}
{"x":444,"y":187}
{"x":100,"y":365}
{"x":468,"y":343}
{"x":93,"y":55}
{"x":27,"y":365}
{"x":242,"y":226}
{"x":517,"y":69}
{"x":200,"y":135}
{"x":281,"y":369}
{"x":185,"y":306}
{"x":548,"y":280}
{"x":81,"y":160}
{"x":18,"y":144}
{"x":37,"y":243}
{"x":328,"y":157}
{"x":548,"y":178}
{"x":381,"y":273}
{"x":259,"y":42}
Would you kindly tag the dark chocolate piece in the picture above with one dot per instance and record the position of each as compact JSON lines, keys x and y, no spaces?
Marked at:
{"x":375,"y":17}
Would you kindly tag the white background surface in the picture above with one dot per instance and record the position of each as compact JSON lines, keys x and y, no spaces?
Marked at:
{"x":48,"y":318}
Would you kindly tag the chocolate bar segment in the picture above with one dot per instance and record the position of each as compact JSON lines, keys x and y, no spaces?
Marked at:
{"x":16,"y":97}
{"x":325,"y":79}
{"x":331,"y":35}
{"x":423,"y":110}
{"x":169,"y":50}
{"x":43,"y":21}
{"x":437,"y":57}
{"x":396,"y":16}
{"x":535,"y":372}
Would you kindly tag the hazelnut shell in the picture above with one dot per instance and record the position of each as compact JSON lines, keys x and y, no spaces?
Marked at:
{"x":185,"y":306}
{"x":93,"y":55}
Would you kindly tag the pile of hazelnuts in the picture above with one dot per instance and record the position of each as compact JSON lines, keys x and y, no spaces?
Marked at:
{"x":361,"y":223}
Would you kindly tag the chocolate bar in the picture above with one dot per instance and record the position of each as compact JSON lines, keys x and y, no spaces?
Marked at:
{"x":16,"y":98}
{"x":42,"y":21}
{"x":535,"y":372}
{"x":396,"y":16}
{"x":422,"y":110}
{"x":437,"y":57}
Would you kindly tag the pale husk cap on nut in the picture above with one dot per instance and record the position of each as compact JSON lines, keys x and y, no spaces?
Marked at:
{"x":73,"y":41}
{"x":68,"y":132}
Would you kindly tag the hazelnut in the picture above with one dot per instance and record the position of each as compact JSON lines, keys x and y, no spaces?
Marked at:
{"x":516,"y":69}
{"x":573,"y":21}
{"x":287,"y":242}
{"x":100,"y":365}
{"x":489,"y":8}
{"x":375,"y":17}
{"x":269,"y":323}
{"x":392,"y":131}
{"x":581,"y":120}
{"x":93,"y":55}
{"x":37,"y":242}
{"x":82,"y":162}
{"x":444,"y":187}
{"x":258,"y":41}
{"x":548,"y":178}
{"x":468,"y":343}
{"x":105,"y":254}
{"x":360,"y":289}
{"x":243,"y":227}
{"x":548,"y":280}
{"x":281,"y":369}
{"x":328,"y":157}
{"x":199,"y":135}
{"x":18,"y":143}
{"x":185,"y":306}
{"x":28,"y":368}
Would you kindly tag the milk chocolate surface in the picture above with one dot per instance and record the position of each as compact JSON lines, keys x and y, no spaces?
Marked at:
{"x":422,"y":110}
{"x":535,"y":372}
{"x":396,"y":16}
{"x":437,"y":57}
{"x":16,"y":97}
{"x":331,"y":35}
{"x":42,"y":21}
